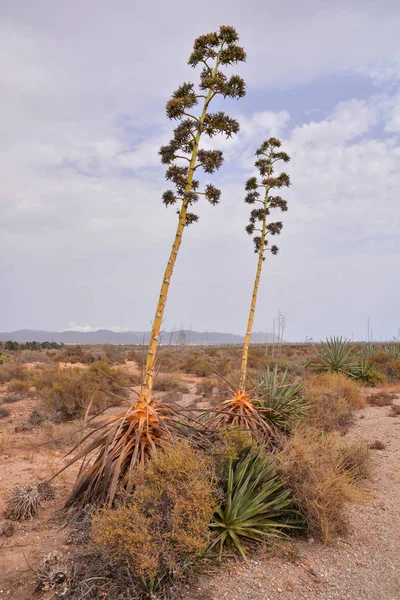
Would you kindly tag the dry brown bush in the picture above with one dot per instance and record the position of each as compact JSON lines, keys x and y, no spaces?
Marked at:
{"x":169,"y":382}
{"x":18,"y":385}
{"x":377,"y":445}
{"x":12,"y":370}
{"x":333,"y":398}
{"x":4,"y":412}
{"x":387,"y":365}
{"x":313,"y":465}
{"x":205,"y":387}
{"x":356,"y":458}
{"x":163,"y":526}
{"x":381,"y":398}
{"x":66,"y":393}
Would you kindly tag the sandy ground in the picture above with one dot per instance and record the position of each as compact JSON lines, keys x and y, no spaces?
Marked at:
{"x":364,"y":566}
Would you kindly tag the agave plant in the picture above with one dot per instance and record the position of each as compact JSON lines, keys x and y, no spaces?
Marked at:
{"x":240,"y":409}
{"x":283,"y":398}
{"x":256,"y":506}
{"x":127,"y":439}
{"x":335,"y":355}
{"x":118,"y":446}
{"x":393,"y":350}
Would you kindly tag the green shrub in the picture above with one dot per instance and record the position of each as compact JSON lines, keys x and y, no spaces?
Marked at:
{"x":366,"y":372}
{"x":164,"y":526}
{"x":3,"y":358}
{"x":256,"y":507}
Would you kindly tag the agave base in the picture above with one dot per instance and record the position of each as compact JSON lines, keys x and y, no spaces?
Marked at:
{"x":115,"y":449}
{"x":241,"y":411}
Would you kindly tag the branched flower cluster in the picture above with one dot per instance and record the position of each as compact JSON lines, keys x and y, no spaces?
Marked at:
{"x":267,"y":155}
{"x":211,"y":51}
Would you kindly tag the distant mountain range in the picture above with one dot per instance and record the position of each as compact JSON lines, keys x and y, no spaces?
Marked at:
{"x":105,"y":336}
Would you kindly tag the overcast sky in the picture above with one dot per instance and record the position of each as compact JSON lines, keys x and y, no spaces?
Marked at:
{"x":84,"y":236}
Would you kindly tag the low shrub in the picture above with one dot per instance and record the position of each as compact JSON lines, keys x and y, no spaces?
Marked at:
{"x":395,"y":410}
{"x":313,"y":465}
{"x":205,"y":388}
{"x":74,"y":354}
{"x":4,"y":412}
{"x":117,"y":378}
{"x":381,"y":398}
{"x":12,"y":370}
{"x":66,"y":393}
{"x":18,"y":385}
{"x":332,"y":398}
{"x":169,"y":382}
{"x":7,"y":528}
{"x":386,"y":364}
{"x":164,"y":526}
{"x":377,"y":445}
{"x":356,"y":458}
{"x":367,"y":373}
{"x":23,"y":503}
{"x":14,"y":397}
{"x":229,"y":443}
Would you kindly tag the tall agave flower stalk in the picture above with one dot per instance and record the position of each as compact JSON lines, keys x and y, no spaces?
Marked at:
{"x":127,"y":439}
{"x":240,"y":409}
{"x":184,"y":155}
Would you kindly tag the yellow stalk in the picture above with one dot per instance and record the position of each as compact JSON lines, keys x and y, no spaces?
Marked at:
{"x":157,"y":322}
{"x":249,"y":329}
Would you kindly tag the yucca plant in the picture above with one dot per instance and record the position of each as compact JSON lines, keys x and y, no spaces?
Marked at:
{"x":127,"y":439}
{"x":256,"y":506}
{"x":335,"y":355}
{"x":282,"y":397}
{"x":240,"y":408}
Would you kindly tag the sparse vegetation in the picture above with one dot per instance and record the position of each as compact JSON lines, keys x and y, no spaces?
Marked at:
{"x":18,"y":385}
{"x":11,"y":370}
{"x":67,"y":393}
{"x":169,"y":382}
